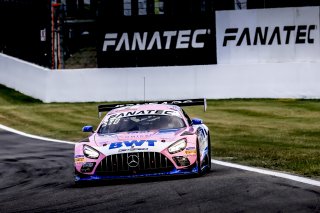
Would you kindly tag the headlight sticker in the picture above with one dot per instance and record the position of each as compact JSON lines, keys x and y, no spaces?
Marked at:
{"x":177,"y":146}
{"x":90,"y":152}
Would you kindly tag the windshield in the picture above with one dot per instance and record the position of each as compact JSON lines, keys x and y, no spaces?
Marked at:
{"x":141,"y":123}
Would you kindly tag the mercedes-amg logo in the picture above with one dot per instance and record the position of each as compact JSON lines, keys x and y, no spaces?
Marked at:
{"x":133,"y":161}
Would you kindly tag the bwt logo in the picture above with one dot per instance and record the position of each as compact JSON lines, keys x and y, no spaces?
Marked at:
{"x":181,"y":39}
{"x":301,"y":34}
{"x":117,"y":145}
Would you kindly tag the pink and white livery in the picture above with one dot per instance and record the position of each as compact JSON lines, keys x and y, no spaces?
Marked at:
{"x":144,"y":140}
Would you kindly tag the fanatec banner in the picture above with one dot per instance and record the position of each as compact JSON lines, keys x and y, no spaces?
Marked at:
{"x":156,"y":41}
{"x":268,"y":35}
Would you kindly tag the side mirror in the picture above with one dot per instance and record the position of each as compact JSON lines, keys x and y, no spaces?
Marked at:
{"x":196,"y":121}
{"x":87,"y":129}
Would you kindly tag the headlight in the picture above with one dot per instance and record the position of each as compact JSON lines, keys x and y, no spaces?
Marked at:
{"x":177,"y":146}
{"x":90,"y":152}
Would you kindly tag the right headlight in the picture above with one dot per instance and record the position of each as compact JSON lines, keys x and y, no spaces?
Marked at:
{"x":90,"y":152}
{"x":177,"y":146}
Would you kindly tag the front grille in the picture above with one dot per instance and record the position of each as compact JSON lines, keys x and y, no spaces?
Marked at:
{"x":147,"y":162}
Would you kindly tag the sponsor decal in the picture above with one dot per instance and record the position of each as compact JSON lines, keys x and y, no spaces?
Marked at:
{"x":176,"y":39}
{"x":162,"y":131}
{"x":142,"y":133}
{"x":191,"y":152}
{"x":133,"y":106}
{"x":79,"y":160}
{"x":132,"y":149}
{"x":144,"y":112}
{"x":131,"y":144}
{"x":190,"y":148}
{"x":136,"y":135}
{"x":279,"y":35}
{"x":109,"y":135}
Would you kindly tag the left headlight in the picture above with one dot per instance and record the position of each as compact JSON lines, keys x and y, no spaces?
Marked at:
{"x":90,"y":152}
{"x":177,"y":146}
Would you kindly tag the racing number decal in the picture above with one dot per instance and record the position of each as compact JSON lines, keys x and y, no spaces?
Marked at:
{"x":113,"y":121}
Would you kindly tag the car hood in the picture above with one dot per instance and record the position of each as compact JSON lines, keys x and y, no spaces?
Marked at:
{"x":147,"y":141}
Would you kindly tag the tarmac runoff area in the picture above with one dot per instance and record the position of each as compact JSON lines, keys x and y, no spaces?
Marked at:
{"x":237,"y":166}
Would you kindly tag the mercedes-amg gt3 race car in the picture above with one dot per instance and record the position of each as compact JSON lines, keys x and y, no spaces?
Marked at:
{"x":144,"y":140}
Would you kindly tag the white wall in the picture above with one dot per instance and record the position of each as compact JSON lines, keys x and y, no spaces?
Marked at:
{"x":25,"y":77}
{"x":272,"y":80}
{"x":291,"y":35}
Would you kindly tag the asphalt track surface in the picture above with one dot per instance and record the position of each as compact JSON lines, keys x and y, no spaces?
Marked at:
{"x":37,"y":176}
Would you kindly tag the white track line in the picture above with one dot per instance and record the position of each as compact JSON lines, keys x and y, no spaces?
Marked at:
{"x":33,"y":136}
{"x":247,"y":168}
{"x":266,"y":172}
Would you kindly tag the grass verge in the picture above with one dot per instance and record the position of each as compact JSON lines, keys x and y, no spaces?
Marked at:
{"x":278,"y":134}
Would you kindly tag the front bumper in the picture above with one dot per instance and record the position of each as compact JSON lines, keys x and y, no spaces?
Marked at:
{"x":79,"y":177}
{"x":149,"y":164}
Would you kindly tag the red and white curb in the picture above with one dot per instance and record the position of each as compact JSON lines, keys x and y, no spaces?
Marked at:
{"x":222,"y":163}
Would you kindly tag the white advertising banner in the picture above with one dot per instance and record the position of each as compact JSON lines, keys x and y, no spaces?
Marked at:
{"x":268,"y":35}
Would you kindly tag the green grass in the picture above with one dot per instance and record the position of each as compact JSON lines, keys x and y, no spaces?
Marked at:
{"x":278,"y":134}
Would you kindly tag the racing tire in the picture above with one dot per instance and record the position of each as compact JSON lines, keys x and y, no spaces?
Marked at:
{"x":198,"y":162}
{"x":209,"y":153}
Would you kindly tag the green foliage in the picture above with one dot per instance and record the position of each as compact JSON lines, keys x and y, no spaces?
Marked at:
{"x":280,"y":134}
{"x":10,"y":96}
